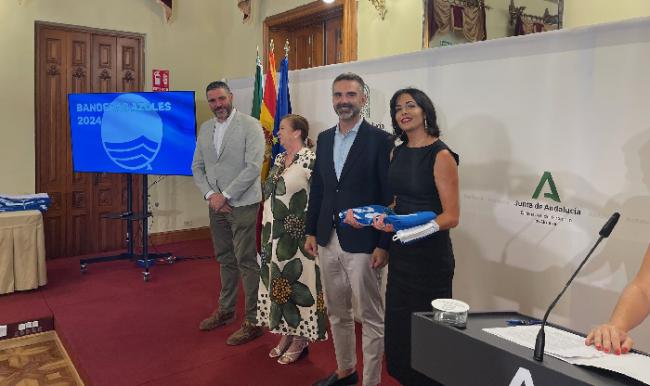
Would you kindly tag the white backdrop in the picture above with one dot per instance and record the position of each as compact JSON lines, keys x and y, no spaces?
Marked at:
{"x":575,"y":103}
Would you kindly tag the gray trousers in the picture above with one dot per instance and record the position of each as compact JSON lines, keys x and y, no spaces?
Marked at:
{"x":233,"y":237}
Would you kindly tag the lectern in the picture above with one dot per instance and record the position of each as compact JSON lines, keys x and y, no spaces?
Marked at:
{"x":471,"y":356}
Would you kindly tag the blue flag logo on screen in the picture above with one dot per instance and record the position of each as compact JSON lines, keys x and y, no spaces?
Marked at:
{"x":137,"y":142}
{"x":135,"y":132}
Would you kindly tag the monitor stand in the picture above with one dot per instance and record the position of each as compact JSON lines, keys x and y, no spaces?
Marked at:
{"x":145,"y":259}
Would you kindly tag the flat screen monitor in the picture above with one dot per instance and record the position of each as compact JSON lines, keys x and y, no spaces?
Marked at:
{"x":137,"y":132}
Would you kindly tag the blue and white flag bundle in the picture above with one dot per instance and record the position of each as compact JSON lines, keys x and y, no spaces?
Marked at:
{"x":408,"y":227}
{"x":40,"y":201}
{"x":365,"y":214}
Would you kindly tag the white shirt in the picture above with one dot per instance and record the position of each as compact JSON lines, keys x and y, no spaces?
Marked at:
{"x":219,"y":131}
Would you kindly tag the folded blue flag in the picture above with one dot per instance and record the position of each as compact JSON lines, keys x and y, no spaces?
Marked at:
{"x":40,"y":201}
{"x":365,"y":214}
{"x":406,"y":221}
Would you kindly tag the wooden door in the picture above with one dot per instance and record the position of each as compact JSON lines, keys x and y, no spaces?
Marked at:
{"x":333,"y":41}
{"x":318,"y":34}
{"x":306,"y":47}
{"x":73,"y":60}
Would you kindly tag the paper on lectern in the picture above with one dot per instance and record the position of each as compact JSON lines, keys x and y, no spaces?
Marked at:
{"x":571,"y":348}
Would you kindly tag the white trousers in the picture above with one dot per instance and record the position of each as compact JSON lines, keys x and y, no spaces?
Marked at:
{"x":346,"y":276}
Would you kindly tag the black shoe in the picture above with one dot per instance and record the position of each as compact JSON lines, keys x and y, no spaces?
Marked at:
{"x":333,"y":380}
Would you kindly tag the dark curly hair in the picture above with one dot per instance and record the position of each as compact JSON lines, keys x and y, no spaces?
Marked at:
{"x":424,"y":102}
{"x":218,"y":84}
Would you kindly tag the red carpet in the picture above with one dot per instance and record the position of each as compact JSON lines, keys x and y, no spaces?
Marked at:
{"x":120,"y":330}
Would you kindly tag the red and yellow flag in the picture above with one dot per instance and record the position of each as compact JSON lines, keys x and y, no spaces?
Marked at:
{"x":267,"y":115}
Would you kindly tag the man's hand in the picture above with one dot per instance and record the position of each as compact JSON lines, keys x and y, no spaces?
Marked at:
{"x":379,"y":224}
{"x":226,"y":208}
{"x":379,"y":258}
{"x":311,"y":246}
{"x":217,"y":201}
{"x":351,"y":221}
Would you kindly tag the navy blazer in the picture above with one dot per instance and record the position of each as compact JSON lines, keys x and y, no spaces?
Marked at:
{"x":364,"y":181}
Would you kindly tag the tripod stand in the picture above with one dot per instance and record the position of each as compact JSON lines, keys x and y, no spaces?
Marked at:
{"x":129,"y":216}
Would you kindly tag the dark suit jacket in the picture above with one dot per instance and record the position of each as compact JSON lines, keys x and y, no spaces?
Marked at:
{"x":364,"y":181}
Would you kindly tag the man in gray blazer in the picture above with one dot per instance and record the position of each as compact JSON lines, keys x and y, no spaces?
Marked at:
{"x":226,"y":168}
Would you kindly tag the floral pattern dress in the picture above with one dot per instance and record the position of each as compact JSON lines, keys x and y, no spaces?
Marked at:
{"x":290,"y":299}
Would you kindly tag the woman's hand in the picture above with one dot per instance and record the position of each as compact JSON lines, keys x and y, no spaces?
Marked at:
{"x":351,"y":221}
{"x":379,"y":224}
{"x":609,"y":338}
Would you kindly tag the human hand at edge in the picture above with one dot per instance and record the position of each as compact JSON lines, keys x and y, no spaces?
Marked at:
{"x":379,"y":258}
{"x":351,"y":221}
{"x":379,"y":224}
{"x":609,"y":338}
{"x":217,"y":201}
{"x":226,"y":208}
{"x":311,"y":246}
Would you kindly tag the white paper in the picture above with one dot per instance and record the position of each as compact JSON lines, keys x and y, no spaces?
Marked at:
{"x":559,"y":343}
{"x":633,"y":365}
{"x":571,"y":348}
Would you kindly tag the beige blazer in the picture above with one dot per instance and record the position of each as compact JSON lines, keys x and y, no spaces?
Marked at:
{"x":237,"y":169}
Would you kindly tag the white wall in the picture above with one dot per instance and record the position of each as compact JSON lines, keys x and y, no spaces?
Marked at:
{"x":513,"y":109}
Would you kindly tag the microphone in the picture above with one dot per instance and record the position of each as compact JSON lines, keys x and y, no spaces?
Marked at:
{"x":604,"y":232}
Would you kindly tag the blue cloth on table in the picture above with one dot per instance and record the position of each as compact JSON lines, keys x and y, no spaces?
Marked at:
{"x":40,"y":201}
{"x":365,"y":214}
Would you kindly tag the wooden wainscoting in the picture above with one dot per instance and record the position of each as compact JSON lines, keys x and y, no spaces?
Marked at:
{"x":202,"y":233}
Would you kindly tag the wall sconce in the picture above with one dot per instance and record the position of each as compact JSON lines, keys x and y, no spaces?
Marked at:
{"x":380,"y":6}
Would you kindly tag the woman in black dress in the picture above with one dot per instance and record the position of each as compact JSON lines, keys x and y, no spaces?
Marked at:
{"x":423,"y":176}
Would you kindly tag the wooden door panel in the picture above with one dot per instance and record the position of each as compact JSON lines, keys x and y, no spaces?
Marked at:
{"x":301,"y":48}
{"x":128,"y":62}
{"x":52,"y":139}
{"x":116,"y":70}
{"x":80,"y":212}
{"x":317,"y":45}
{"x":333,"y":41}
{"x":104,"y":57}
{"x":279,"y":37}
{"x":54,"y":226}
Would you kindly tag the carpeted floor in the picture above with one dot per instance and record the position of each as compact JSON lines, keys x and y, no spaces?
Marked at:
{"x":119,"y":330}
{"x":36,"y":360}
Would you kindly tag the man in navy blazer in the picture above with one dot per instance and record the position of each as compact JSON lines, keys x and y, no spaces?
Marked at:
{"x":351,"y":170}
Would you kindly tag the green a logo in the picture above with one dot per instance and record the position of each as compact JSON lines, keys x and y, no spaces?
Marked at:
{"x":553,"y":195}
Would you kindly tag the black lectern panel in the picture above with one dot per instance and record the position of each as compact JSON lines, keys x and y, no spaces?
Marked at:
{"x":471,"y":356}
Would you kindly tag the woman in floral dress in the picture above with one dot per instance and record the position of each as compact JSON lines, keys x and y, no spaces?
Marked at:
{"x":290,"y":301}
